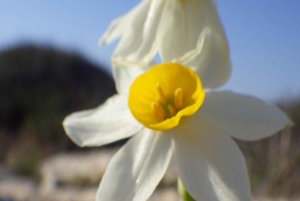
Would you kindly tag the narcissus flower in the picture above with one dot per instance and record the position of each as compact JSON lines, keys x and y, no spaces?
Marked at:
{"x":168,"y":111}
{"x":169,"y":27}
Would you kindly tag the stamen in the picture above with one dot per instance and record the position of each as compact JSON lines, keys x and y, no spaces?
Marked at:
{"x":161,"y":94}
{"x":178,"y":98}
{"x":171,"y":110}
{"x":158,"y":110}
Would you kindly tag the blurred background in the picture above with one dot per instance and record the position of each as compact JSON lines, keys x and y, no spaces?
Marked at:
{"x":51,"y":65}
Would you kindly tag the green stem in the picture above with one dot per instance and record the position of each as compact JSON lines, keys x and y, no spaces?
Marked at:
{"x":185,"y":196}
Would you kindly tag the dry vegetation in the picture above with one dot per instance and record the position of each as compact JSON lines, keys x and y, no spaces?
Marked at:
{"x":274,"y":163}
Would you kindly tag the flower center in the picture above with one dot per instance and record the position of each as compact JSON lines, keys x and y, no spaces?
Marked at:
{"x":164,"y":108}
{"x":161,"y":96}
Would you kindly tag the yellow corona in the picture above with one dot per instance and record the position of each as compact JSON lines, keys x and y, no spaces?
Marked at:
{"x":161,"y":96}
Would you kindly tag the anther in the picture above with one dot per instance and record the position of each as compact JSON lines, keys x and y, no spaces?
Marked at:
{"x":161,"y":94}
{"x":158,"y":110}
{"x":178,"y":98}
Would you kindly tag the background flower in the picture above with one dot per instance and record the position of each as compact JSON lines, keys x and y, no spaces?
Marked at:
{"x":209,"y":59}
{"x":171,"y":28}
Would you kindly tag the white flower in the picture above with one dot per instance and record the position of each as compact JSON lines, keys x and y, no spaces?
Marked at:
{"x":168,"y":112}
{"x":169,"y":27}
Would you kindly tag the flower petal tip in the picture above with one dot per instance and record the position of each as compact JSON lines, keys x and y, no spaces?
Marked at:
{"x":290,"y":123}
{"x":287,"y":122}
{"x":102,"y":42}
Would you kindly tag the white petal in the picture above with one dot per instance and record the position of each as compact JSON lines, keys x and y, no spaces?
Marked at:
{"x":182,"y":23}
{"x":192,"y":54}
{"x":138,"y":41}
{"x":241,"y":116}
{"x":212,"y":62}
{"x":109,"y":122}
{"x":211,"y":166}
{"x":120,"y":25}
{"x":114,"y":31}
{"x":137,"y":168}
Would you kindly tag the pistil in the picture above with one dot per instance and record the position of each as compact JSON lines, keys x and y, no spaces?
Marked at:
{"x":172,"y":110}
{"x":165,"y":108}
{"x":161,"y":94}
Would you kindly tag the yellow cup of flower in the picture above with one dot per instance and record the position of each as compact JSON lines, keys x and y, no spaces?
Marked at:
{"x":161,"y":96}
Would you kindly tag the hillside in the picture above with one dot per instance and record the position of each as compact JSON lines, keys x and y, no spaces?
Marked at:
{"x":39,"y":86}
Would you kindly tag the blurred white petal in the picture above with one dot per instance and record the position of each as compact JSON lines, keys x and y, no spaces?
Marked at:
{"x":210,"y":59}
{"x":121,"y":24}
{"x":212,"y":64}
{"x":211,"y":166}
{"x":171,"y":28}
{"x":114,"y":31}
{"x":109,"y":122}
{"x":241,"y":116}
{"x":135,"y":171}
{"x":192,"y":54}
{"x":138,"y":41}
{"x":182,"y":23}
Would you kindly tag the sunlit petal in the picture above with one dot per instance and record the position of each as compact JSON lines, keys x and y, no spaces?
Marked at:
{"x":137,"y":168}
{"x":109,"y":122}
{"x":241,"y":116}
{"x":210,"y":165}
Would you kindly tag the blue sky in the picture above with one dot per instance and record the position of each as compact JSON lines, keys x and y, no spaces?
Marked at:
{"x":264,"y":36}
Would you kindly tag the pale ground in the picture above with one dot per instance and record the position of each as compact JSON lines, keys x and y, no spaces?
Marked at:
{"x":70,"y":169}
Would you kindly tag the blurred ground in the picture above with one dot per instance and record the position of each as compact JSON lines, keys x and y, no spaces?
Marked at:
{"x":71,"y":177}
{"x":39,"y":86}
